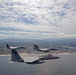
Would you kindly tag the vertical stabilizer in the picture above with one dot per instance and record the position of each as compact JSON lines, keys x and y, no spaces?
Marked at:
{"x":36,"y":47}
{"x":7,"y":46}
{"x":15,"y":56}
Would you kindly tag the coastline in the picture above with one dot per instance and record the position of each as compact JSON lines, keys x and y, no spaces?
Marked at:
{"x":58,"y":53}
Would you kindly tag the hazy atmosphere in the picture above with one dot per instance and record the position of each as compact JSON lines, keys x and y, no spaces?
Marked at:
{"x":37,"y":19}
{"x":37,"y":37}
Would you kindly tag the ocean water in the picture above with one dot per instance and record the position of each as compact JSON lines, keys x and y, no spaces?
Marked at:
{"x":65,"y":65}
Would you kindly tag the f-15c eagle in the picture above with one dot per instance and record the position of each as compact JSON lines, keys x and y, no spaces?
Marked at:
{"x":43,"y":49}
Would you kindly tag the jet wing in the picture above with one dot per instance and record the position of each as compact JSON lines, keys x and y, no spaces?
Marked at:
{"x":17,"y":47}
{"x":31,"y":59}
{"x":21,"y":47}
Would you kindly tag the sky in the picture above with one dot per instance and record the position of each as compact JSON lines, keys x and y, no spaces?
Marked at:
{"x":37,"y":19}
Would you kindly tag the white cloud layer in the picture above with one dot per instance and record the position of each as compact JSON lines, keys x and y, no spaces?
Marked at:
{"x":38,"y":18}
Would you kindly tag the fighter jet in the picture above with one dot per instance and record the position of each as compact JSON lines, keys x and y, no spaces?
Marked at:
{"x":28,"y":58}
{"x":15,"y":57}
{"x":44,"y":49}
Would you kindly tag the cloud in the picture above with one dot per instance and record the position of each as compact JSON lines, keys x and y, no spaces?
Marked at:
{"x":36,"y":18}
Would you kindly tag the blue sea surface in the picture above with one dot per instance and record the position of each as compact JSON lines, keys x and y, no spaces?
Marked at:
{"x":65,"y":65}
